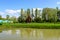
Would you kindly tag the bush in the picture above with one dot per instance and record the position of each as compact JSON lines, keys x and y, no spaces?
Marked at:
{"x":28,"y":19}
{"x":38,"y":20}
{"x":0,"y":23}
{"x":21,"y":20}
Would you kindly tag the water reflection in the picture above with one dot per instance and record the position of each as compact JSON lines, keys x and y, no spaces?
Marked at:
{"x":7,"y":32}
{"x":30,"y":34}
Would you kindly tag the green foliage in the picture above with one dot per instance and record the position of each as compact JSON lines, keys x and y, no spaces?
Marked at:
{"x":32,"y":13}
{"x":28,"y":19}
{"x":0,"y":23}
{"x":14,"y":19}
{"x":38,"y":20}
{"x":58,"y":15}
{"x":7,"y":17}
{"x":21,"y":13}
{"x":0,"y":17}
{"x":36,"y":12}
{"x":33,"y":25}
{"x":28,"y":12}
{"x":49,"y":14}
{"x":20,"y":20}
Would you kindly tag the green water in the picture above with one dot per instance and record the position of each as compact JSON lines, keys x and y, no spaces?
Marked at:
{"x":30,"y":34}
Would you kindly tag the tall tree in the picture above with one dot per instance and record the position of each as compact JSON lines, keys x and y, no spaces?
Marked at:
{"x":36,"y":12}
{"x":39,"y":13}
{"x":21,"y":13}
{"x":49,"y":14}
{"x":57,"y":8}
{"x":0,"y":17}
{"x":58,"y":13}
{"x":32,"y":13}
{"x":7,"y":17}
{"x":28,"y":19}
{"x":25,"y":15}
{"x":55,"y":15}
{"x":44,"y":13}
{"x":28,"y":12}
{"x":37,"y":16}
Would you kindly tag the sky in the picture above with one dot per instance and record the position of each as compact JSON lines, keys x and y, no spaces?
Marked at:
{"x":12,"y":7}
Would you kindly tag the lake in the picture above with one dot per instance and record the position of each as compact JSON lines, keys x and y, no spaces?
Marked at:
{"x":29,"y":34}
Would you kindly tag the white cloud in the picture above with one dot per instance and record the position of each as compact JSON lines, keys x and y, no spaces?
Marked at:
{"x":12,"y":11}
{"x":58,"y":3}
{"x":37,"y":8}
{"x":18,"y":10}
{"x":2,"y":13}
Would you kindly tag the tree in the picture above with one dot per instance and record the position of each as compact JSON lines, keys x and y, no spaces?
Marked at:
{"x":22,"y":15}
{"x":28,"y":12}
{"x":7,"y":17}
{"x":25,"y":15}
{"x":19,"y":19}
{"x":0,"y":17}
{"x":38,"y":20}
{"x":58,"y":15}
{"x":39,"y":13}
{"x":32,"y":13}
{"x":49,"y":14}
{"x":45,"y":14}
{"x":14,"y":19}
{"x":28,"y":19}
{"x":37,"y":16}
{"x":36,"y":12}
{"x":57,"y":8}
{"x":55,"y":15}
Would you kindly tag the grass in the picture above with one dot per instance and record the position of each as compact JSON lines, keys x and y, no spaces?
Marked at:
{"x":33,"y":25}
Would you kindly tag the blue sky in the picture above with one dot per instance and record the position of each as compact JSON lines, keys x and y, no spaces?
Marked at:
{"x":12,"y":7}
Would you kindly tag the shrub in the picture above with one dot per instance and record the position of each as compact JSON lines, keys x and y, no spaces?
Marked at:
{"x":21,"y":20}
{"x":0,"y":23}
{"x":38,"y":20}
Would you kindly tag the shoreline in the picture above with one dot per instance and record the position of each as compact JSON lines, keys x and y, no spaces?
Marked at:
{"x":33,"y":25}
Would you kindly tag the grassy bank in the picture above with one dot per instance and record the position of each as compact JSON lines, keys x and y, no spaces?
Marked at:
{"x":33,"y":25}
